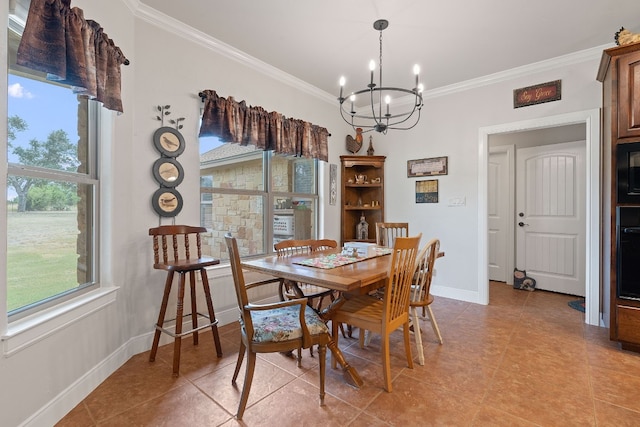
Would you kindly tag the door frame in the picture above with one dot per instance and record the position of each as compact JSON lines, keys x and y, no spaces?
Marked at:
{"x":509,"y":150}
{"x":591,"y":119}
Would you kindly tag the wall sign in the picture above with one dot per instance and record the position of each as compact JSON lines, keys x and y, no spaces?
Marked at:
{"x":538,"y":94}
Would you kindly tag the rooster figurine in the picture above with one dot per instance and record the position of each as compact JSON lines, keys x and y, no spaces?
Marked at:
{"x":625,"y":36}
{"x":355,"y":144}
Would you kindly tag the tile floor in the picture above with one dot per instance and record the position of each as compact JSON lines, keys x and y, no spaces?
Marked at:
{"x":526,"y":359}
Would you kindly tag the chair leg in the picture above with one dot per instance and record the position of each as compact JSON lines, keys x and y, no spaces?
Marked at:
{"x":177,"y":342}
{"x":163,"y":311}
{"x":418,"y":335}
{"x":434,"y":324}
{"x":212,"y":314}
{"x":241,"y":352}
{"x":367,"y":338}
{"x":386,"y":362}
{"x":322,"y":351}
{"x":194,"y":306}
{"x":248,"y":377}
{"x":407,"y":344}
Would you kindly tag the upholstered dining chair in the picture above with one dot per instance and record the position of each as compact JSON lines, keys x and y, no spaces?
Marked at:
{"x":292,"y":290}
{"x":386,"y":232}
{"x":270,"y":328}
{"x":392,"y":312}
{"x":173,"y":252}
{"x":421,"y":298}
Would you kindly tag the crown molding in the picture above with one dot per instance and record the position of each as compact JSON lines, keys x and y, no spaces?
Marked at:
{"x":578,"y":57}
{"x":154,"y":17}
{"x":180,"y":29}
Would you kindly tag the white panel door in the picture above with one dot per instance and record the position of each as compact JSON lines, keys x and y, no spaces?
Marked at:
{"x":550,"y":216}
{"x":498,"y":215}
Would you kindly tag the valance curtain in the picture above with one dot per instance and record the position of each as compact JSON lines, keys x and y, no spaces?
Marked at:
{"x":58,"y":40}
{"x":236,"y":122}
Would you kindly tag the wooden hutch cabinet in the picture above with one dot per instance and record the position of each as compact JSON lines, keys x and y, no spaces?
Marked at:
{"x":362,"y":195}
{"x":619,"y":73}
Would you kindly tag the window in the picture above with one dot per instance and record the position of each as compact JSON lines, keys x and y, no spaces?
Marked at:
{"x":52,"y":188}
{"x":261,"y":198}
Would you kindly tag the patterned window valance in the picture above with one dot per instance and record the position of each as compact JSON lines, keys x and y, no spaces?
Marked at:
{"x":234,"y":121}
{"x":58,"y":40}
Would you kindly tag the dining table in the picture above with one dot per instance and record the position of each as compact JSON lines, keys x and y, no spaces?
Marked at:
{"x":332,"y":269}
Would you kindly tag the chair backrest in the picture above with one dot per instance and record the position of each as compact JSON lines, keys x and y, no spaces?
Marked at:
{"x":386,"y":232}
{"x":424,"y":271}
{"x":176,"y":242}
{"x":322,"y":244}
{"x":396,"y":293}
{"x":293,"y":247}
{"x":238,"y":281}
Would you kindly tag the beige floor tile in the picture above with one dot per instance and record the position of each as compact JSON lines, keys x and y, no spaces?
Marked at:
{"x":526,"y":359}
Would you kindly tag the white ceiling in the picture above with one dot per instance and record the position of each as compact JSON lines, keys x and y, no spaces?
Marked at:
{"x":452,"y":41}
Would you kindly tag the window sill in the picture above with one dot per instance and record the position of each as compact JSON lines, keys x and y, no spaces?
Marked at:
{"x":29,"y":330}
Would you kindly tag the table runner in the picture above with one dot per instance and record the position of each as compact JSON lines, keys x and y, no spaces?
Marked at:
{"x":337,"y":260}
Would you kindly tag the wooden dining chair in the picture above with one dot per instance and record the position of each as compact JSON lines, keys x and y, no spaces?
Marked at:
{"x":392,"y":312}
{"x":386,"y":232}
{"x":421,"y":298}
{"x":268,"y":328}
{"x":315,"y":295}
{"x":173,"y":252}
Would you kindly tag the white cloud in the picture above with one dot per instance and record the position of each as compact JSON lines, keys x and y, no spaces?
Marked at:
{"x":17,"y":91}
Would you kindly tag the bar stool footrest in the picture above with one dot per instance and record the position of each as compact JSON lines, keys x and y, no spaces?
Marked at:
{"x":190,"y":331}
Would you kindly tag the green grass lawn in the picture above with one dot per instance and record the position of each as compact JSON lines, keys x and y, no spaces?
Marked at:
{"x":41,"y":256}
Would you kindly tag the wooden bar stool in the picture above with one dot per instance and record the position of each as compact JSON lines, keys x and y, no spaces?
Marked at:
{"x":176,"y":258}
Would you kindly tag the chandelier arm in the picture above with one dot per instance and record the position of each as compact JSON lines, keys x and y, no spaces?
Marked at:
{"x":382,"y":122}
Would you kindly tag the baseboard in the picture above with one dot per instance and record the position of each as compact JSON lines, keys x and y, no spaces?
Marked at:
{"x":64,"y":402}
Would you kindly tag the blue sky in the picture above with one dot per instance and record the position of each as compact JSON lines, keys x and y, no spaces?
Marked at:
{"x":45,"y":108}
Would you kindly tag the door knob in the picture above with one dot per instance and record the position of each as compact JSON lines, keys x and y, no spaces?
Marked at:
{"x":522,"y":224}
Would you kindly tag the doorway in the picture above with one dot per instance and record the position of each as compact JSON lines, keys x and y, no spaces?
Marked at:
{"x":591,"y":121}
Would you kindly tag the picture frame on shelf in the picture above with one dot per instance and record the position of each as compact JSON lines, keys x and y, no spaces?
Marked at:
{"x":431,"y":166}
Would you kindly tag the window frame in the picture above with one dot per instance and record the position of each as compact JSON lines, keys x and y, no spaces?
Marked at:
{"x":268,"y":196}
{"x":20,"y":327}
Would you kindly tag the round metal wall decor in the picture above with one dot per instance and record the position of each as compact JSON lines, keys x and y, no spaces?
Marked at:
{"x":168,"y":141}
{"x":168,"y":172}
{"x":167,"y":202}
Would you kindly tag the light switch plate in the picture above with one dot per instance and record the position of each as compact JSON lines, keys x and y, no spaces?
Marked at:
{"x":457,"y":201}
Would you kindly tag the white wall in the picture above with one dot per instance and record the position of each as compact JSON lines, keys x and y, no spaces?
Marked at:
{"x":449,"y":127}
{"x":47,"y":378}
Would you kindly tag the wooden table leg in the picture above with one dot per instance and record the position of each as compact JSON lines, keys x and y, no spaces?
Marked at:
{"x":349,"y":372}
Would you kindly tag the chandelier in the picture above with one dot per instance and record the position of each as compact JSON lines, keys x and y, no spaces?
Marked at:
{"x":401,"y":117}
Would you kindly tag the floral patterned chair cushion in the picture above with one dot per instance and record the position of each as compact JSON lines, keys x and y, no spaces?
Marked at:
{"x":282,"y":324}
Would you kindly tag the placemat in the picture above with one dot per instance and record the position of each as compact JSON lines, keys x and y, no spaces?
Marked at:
{"x":337,"y":260}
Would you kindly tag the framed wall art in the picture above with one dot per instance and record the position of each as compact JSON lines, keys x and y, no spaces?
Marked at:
{"x":427,"y":191}
{"x":427,"y":167}
{"x":333,"y":183}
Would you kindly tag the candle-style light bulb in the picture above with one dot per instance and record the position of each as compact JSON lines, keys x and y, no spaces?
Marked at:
{"x":372,"y":67}
{"x":387,"y":100}
{"x":420,"y":88}
{"x":416,"y":71}
{"x":342,"y":82}
{"x":353,"y":99}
